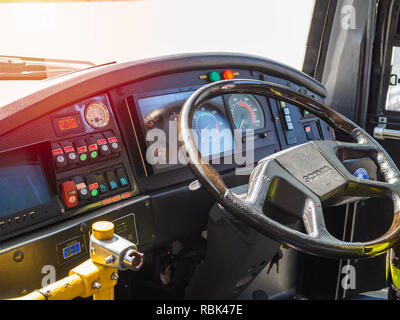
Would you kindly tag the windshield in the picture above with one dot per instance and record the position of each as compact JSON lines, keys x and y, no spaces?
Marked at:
{"x":101,"y":32}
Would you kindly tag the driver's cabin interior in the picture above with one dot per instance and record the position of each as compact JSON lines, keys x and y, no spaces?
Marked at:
{"x":203,"y":173}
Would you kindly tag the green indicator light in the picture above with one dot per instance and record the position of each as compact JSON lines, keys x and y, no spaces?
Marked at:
{"x":214,"y":76}
{"x":94,"y":192}
{"x":306,"y":113}
{"x":83,"y":157}
{"x":93,"y":154}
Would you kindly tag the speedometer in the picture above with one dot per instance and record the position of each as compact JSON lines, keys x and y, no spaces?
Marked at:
{"x":97,"y":115}
{"x":214,"y":135}
{"x":246,"y":112}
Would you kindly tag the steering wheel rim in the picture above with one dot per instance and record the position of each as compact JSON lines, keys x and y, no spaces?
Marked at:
{"x":279,"y":167}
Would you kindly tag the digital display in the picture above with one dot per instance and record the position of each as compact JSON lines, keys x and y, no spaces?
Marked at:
{"x":71,"y":250}
{"x":68,"y":123}
{"x":24,"y":187}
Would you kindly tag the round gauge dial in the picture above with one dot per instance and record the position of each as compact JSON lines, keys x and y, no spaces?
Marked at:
{"x":213,"y":131}
{"x":97,"y":115}
{"x":246,"y":112}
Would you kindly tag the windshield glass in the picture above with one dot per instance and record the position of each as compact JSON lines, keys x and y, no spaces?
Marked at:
{"x":101,"y":32}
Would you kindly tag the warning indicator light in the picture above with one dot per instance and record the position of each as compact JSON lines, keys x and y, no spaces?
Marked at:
{"x":228,"y":74}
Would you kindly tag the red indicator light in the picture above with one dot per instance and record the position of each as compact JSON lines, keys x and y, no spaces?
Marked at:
{"x":102,"y":141}
{"x":93,"y":186}
{"x":69,"y":149}
{"x":126,"y":195}
{"x":106,"y":201}
{"x":57,"y":152}
{"x":93,"y":147}
{"x":228,"y":74}
{"x":116,"y":198}
{"x":307,"y":129}
{"x":112,"y":139}
{"x":82,"y":149}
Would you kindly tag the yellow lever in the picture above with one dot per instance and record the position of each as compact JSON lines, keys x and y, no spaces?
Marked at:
{"x":90,"y":278}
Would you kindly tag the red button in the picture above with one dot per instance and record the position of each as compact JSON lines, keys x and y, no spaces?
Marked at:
{"x":82,"y":149}
{"x":101,"y":142}
{"x":69,"y":194}
{"x":93,"y":186}
{"x":57,"y":152}
{"x":228,"y":74}
{"x":112,"y":139}
{"x":68,"y":149}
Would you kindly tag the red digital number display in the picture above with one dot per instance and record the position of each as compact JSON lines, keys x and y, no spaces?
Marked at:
{"x":68,"y":123}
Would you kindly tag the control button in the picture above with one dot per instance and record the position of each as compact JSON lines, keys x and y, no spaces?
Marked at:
{"x":286,"y":111}
{"x":93,"y":148}
{"x":102,"y":183}
{"x":61,"y":160}
{"x":104,"y":148}
{"x":113,"y":141}
{"x":32,"y":214}
{"x":2,"y":224}
{"x":69,"y":194}
{"x":81,"y":149}
{"x":82,"y":188}
{"x":58,"y":155}
{"x":309,"y":133}
{"x":214,"y":76}
{"x":17,"y":219}
{"x":93,"y":185}
{"x":112,"y":181}
{"x":122,"y":178}
{"x":69,"y":150}
{"x":289,"y":126}
{"x":288,"y":119}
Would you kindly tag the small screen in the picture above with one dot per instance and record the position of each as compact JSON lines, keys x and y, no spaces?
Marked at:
{"x":71,"y":250}
{"x":68,"y":123}
{"x":24,"y":187}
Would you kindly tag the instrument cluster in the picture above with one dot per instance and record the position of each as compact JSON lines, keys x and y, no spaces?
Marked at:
{"x":213,"y":122}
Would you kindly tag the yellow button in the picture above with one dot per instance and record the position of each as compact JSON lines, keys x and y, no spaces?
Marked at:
{"x":103,"y":230}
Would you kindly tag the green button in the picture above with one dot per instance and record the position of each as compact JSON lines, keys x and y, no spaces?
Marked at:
{"x":94,"y":192}
{"x":93,"y":154}
{"x":83,"y":157}
{"x":214,"y":76}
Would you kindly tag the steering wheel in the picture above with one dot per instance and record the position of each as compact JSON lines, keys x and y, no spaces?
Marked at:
{"x":298,"y":180}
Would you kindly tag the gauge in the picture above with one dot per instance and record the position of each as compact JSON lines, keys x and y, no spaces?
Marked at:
{"x":97,"y":115}
{"x":246,"y":112}
{"x":213,"y":131}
